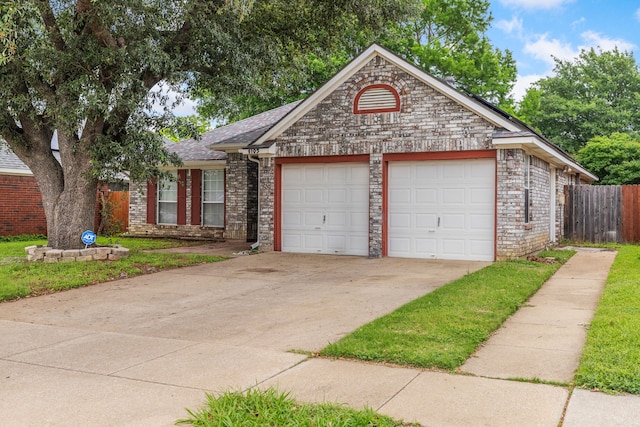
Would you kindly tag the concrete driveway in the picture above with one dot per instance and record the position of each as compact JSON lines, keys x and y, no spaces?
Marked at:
{"x":138,"y":351}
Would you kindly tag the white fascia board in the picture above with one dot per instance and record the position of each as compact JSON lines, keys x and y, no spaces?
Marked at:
{"x":360,"y":61}
{"x":260,"y":152}
{"x":198,"y":164}
{"x":16,"y":172}
{"x":550,"y":154}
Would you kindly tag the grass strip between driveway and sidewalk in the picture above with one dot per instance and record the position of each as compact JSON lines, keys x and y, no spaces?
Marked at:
{"x":444,"y":327}
{"x":19,"y":278}
{"x":611,"y":355}
{"x":272,"y":408}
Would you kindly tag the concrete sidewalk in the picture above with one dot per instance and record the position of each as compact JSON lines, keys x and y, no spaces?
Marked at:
{"x":542,"y":341}
{"x":137,"y":352}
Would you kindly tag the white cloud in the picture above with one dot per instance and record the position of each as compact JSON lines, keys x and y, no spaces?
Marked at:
{"x":523,"y":83}
{"x":577,"y":22}
{"x":597,"y":40}
{"x":535,"y":4}
{"x":545,"y":49}
{"x":509,"y":27}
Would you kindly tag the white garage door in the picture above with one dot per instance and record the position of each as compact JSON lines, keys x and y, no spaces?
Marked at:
{"x":325,"y":208}
{"x":441,"y":209}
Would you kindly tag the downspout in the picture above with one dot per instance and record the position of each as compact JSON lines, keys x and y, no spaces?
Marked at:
{"x":255,"y":245}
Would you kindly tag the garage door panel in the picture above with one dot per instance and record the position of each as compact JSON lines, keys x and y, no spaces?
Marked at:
{"x":312,"y":174}
{"x":452,"y":196}
{"x":455,"y":222}
{"x":335,"y":208}
{"x":480,"y":247}
{"x":400,"y":221}
{"x":441,"y":209}
{"x":313,"y":196}
{"x":312,"y":219}
{"x":453,"y":248}
{"x":292,"y":196}
{"x":336,"y":219}
{"x":481,"y":222}
{"x":426,"y":247}
{"x":338,"y":196}
{"x":293,"y":218}
{"x":481,"y":195}
{"x":426,"y":220}
{"x":424,"y":172}
{"x":426,"y":195}
{"x":400,"y":245}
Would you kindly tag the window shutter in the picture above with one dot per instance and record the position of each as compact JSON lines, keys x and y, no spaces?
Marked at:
{"x":152,"y":188}
{"x":182,"y":196}
{"x":196,"y":197}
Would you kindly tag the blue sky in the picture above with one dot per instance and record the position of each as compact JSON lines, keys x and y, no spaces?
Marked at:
{"x":536,"y":30}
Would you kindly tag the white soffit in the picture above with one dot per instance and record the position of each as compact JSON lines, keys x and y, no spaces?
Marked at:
{"x":543,"y":150}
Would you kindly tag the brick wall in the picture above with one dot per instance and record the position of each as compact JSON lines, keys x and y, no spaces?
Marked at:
{"x":427,"y":122}
{"x":138,"y":225}
{"x":241,"y":198}
{"x":21,"y":209}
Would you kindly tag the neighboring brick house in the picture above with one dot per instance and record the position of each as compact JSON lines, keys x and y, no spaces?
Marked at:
{"x":386,"y":160}
{"x":21,"y":210}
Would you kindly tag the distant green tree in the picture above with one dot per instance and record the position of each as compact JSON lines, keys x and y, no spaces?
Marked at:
{"x":185,"y":127}
{"x":614,"y":159}
{"x":448,"y":39}
{"x":596,"y":94}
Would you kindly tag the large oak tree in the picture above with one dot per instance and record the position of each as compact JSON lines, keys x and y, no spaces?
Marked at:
{"x":87,"y":69}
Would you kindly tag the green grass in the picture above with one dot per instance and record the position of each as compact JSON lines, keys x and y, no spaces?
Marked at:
{"x":443,"y":328}
{"x":611,"y":356}
{"x":19,"y":279}
{"x":269,"y":407}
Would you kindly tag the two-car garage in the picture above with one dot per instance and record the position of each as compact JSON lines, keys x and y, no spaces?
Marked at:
{"x":436,"y":209}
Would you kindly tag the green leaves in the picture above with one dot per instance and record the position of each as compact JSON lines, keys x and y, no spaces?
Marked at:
{"x":597,"y":94}
{"x":614,"y":159}
{"x":448,"y":39}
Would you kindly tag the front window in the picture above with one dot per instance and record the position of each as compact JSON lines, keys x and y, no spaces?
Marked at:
{"x":168,"y":200}
{"x":213,"y":198}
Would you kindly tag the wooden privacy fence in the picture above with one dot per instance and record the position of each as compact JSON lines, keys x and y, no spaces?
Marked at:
{"x":113,"y":211}
{"x":602,"y":213}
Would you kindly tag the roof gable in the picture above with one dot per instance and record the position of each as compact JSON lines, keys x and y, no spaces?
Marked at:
{"x":479,"y":108}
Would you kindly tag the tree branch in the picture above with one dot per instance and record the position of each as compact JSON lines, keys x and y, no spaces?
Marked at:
{"x":85,"y":9}
{"x":50,"y":23}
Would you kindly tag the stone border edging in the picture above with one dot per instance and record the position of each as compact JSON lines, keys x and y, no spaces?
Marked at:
{"x":101,"y":253}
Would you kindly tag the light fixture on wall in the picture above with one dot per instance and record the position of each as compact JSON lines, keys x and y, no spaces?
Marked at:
{"x":566,"y":169}
{"x":510,"y":160}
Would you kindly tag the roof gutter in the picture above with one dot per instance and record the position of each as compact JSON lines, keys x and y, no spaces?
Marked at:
{"x":533,"y":142}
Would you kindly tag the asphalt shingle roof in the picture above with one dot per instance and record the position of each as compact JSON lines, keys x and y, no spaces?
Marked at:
{"x":9,"y":161}
{"x":243,"y":133}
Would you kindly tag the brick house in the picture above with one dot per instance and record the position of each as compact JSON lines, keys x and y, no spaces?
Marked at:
{"x":21,"y":210}
{"x":383,"y":160}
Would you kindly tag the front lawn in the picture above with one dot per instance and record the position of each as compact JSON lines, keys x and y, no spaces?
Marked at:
{"x":443,"y":328}
{"x":611,"y":356}
{"x":18,"y":278}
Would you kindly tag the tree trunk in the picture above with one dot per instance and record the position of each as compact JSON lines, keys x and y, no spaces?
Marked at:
{"x":68,"y":189}
{"x":71,"y":212}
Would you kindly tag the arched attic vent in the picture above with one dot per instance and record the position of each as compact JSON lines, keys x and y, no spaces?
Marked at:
{"x":378,"y":98}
